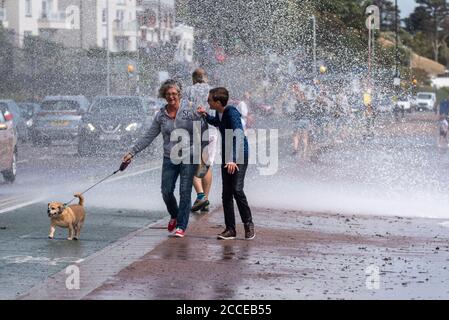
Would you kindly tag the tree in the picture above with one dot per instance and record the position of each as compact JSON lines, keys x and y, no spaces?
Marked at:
{"x":430,"y":17}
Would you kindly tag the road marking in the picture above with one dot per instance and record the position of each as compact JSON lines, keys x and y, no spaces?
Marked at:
{"x":42,"y":260}
{"x":19,"y":206}
{"x":6,"y":201}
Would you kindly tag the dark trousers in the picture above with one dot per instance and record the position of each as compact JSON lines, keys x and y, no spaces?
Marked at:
{"x":233,"y":189}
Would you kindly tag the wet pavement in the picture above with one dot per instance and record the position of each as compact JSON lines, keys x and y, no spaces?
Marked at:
{"x":296,"y":255}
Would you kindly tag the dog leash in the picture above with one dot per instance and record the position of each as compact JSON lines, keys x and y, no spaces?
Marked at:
{"x":122,"y":168}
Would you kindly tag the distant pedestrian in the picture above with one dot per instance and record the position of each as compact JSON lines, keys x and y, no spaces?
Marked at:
{"x":302,"y":123}
{"x":443,"y":123}
{"x":234,"y":162}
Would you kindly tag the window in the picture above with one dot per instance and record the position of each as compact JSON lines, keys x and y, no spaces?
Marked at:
{"x":120,"y":15}
{"x":105,"y":43}
{"x":104,"y":16}
{"x":121,"y":43}
{"x":28,"y":8}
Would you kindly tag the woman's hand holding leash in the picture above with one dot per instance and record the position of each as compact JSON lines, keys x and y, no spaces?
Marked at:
{"x":126,"y":161}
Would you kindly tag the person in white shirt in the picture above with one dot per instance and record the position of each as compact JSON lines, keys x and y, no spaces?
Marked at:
{"x":197,"y":95}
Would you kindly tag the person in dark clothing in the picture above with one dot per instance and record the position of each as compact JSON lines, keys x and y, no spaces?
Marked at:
{"x":303,"y":123}
{"x":234,"y":161}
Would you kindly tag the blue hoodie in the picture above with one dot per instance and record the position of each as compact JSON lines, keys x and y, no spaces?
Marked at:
{"x":231,"y":119}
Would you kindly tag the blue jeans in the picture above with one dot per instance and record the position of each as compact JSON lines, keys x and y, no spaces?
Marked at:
{"x":170,"y":173}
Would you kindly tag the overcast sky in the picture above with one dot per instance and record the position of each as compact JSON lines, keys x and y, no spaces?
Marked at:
{"x":406,"y":7}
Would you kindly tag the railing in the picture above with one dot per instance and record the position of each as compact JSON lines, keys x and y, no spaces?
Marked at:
{"x":124,"y":27}
{"x":53,"y":16}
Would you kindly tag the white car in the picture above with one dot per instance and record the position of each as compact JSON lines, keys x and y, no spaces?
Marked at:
{"x":405,"y":103}
{"x":426,"y":101}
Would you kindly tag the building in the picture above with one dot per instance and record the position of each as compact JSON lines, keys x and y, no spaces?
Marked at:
{"x":441,"y":80}
{"x":121,"y":25}
{"x":20,"y":17}
{"x":90,"y":23}
{"x":74,"y":23}
{"x":184,"y":36}
{"x":156,"y":21}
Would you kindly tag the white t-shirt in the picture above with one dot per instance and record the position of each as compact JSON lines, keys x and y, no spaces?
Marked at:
{"x":242,"y":107}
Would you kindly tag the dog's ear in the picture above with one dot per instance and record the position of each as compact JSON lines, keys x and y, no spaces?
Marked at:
{"x":61,"y":208}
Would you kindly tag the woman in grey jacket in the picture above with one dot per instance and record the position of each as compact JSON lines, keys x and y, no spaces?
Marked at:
{"x":177,"y":154}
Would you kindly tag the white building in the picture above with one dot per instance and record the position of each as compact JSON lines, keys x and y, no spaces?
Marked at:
{"x":185,"y":37}
{"x":441,"y":81}
{"x":21,"y":17}
{"x":156,"y":21}
{"x":90,"y":23}
{"x":74,"y":23}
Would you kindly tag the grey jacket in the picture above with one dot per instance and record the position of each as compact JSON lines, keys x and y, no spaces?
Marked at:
{"x":162,"y":123}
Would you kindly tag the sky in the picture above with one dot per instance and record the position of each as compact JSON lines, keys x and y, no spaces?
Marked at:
{"x":406,"y":7}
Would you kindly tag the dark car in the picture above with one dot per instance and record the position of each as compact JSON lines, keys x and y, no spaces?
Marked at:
{"x":18,"y":121}
{"x":8,"y":149}
{"x":113,"y":123}
{"x":58,"y":119}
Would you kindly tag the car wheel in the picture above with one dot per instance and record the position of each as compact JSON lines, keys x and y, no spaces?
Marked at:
{"x":10,"y":174}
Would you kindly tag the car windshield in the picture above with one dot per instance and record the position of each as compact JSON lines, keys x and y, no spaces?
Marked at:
{"x":3,"y":107}
{"x":60,"y":105}
{"x":118,"y":106}
{"x":424,"y":96}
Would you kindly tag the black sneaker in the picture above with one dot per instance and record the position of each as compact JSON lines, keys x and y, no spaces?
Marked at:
{"x":227,"y":235}
{"x":199,"y":204}
{"x":205,"y":209}
{"x":249,"y":231}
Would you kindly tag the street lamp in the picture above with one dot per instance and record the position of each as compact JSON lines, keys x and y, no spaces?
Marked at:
{"x":313,"y":18}
{"x":108,"y":56}
{"x":397,"y":38}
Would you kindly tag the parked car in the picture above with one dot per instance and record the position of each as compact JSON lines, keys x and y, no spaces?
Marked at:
{"x":426,"y":101}
{"x":18,"y":121}
{"x":59,"y":119}
{"x":405,"y":103}
{"x":113,"y":123}
{"x":8,"y":149}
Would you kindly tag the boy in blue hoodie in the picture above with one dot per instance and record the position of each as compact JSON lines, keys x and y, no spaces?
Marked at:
{"x":234,"y":161}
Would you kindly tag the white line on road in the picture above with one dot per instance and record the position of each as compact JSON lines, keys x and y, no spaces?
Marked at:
{"x":19,"y":206}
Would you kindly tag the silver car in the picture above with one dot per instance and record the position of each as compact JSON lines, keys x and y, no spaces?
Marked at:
{"x":59,"y":119}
